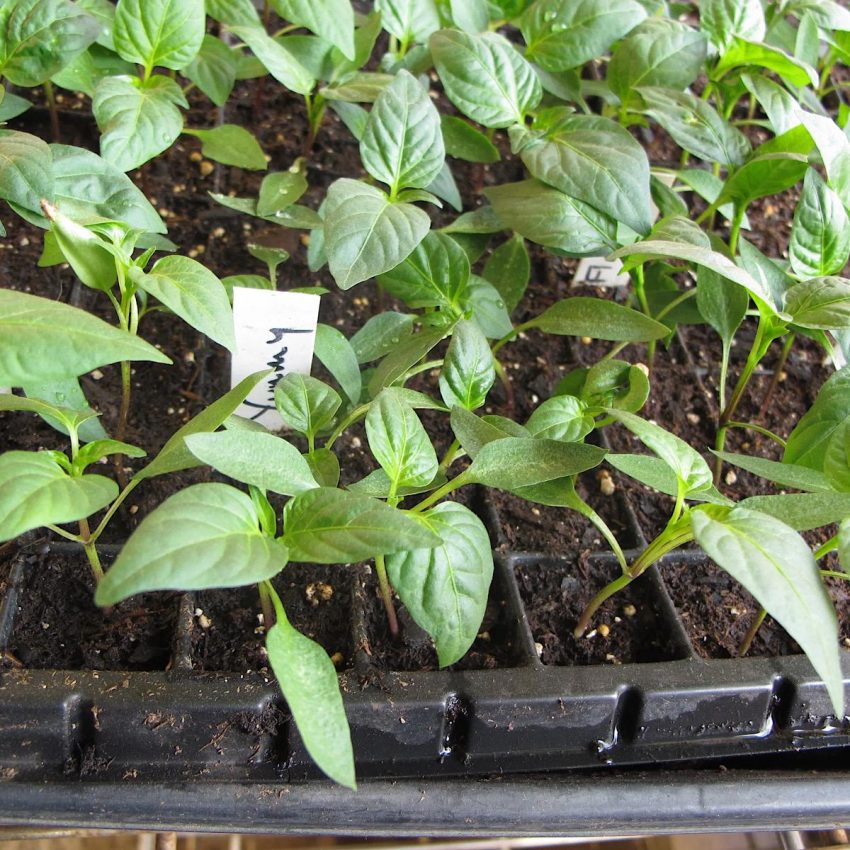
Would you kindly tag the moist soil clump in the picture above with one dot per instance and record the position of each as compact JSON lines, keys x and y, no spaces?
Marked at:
{"x":631,"y":627}
{"x":58,"y":626}
{"x":228,"y":633}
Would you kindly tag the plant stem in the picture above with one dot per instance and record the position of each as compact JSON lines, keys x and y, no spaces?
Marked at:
{"x":777,"y":372}
{"x":512,"y":334}
{"x":758,"y":429}
{"x":593,"y":606}
{"x":126,"y":390}
{"x":674,"y":304}
{"x":386,"y":594}
{"x":449,"y":456}
{"x":267,"y":605}
{"x":131,"y":485}
{"x":440,"y":492}
{"x":735,"y":230}
{"x":54,"y":115}
{"x":752,"y":631}
{"x":827,"y":547}
{"x":506,"y":384}
{"x":74,"y":538}
{"x":357,"y":413}
{"x":91,"y":551}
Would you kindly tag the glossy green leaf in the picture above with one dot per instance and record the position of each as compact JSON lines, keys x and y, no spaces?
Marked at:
{"x":782,"y":110}
{"x":722,"y":303}
{"x":776,"y":565}
{"x":399,"y":442}
{"x":463,"y":141}
{"x":508,"y":268}
{"x":306,"y":404}
{"x":193,"y":292}
{"x":659,"y":52}
{"x":514,"y":462}
{"x":592,"y":159}
{"x":329,"y":526}
{"x":266,"y":461}
{"x":213,"y":70}
{"x":820,"y":235}
{"x":381,"y":334}
{"x":696,"y":126}
{"x":563,"y":34}
{"x":41,"y":340}
{"x":67,"y":393}
{"x":309,"y":683}
{"x":562,"y":418}
{"x":473,"y":431}
{"x":230,"y":144}
{"x":137,"y":118}
{"x":822,"y":302}
{"x":409,"y":20}
{"x":402,"y":145}
{"x":335,"y":353}
{"x":366,"y":234}
{"x":435,"y":274}
{"x":742,"y":53}
{"x":468,"y":370}
{"x":26,"y":169}
{"x":39,"y":37}
{"x":279,"y":62}
{"x":657,"y":474}
{"x":89,"y":256}
{"x":175,"y":455}
{"x":403,"y":357}
{"x":202,"y":537}
{"x":324,"y":465}
{"x":764,"y":175}
{"x":487,"y":308}
{"x":834,"y":149}
{"x":691,"y":469}
{"x":485,"y":77}
{"x":600,"y":319}
{"x":35,"y":491}
{"x":159,"y":33}
{"x":332,"y":20}
{"x":280,"y":190}
{"x":552,"y":218}
{"x":445,"y":589}
{"x":722,"y":20}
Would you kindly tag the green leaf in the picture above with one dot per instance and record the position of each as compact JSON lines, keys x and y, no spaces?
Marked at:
{"x":138,"y":119}
{"x":409,"y":20}
{"x":844,"y":545}
{"x":89,"y":256}
{"x":591,"y":159}
{"x":435,"y":274}
{"x":366,"y":234}
{"x":175,"y":455}
{"x":97,"y":449}
{"x":67,"y":393}
{"x":781,"y":109}
{"x":553,"y":219}
{"x":659,"y":52}
{"x":696,"y":126}
{"x":445,"y":588}
{"x":335,"y":353}
{"x":159,"y":33}
{"x":89,"y":189}
{"x":563,"y":34}
{"x":743,"y":53}
{"x":48,"y":410}
{"x":834,"y":149}
{"x":837,"y":459}
{"x":487,"y":308}
{"x":11,"y":106}
{"x":39,"y":37}
{"x":657,"y":474}
{"x":202,"y":537}
{"x":26,"y":169}
{"x":308,"y":680}
{"x":231,"y":145}
{"x":822,"y":302}
{"x":332,"y":20}
{"x":329,"y":526}
{"x":802,"y":511}
{"x":402,"y":145}
{"x":691,"y":470}
{"x":508,"y":268}
{"x":399,"y":442}
{"x":403,"y":357}
{"x":324,"y":466}
{"x":600,"y":319}
{"x":783,"y":474}
{"x":280,"y":190}
{"x":381,"y":334}
{"x":279,"y":62}
{"x":193,"y":292}
{"x":514,"y":462}
{"x":213,"y":70}
{"x":776,"y":565}
{"x":463,"y":141}
{"x":473,"y":431}
{"x":722,"y":20}
{"x":468,"y":370}
{"x":705,"y":257}
{"x":820,"y":235}
{"x":722,"y":304}
{"x":763,"y":175}
{"x":246,"y":281}
{"x":35,"y":490}
{"x":563,"y":418}
{"x":362,"y":87}
{"x":485,"y":77}
{"x":306,"y":404}
{"x":266,"y":461}
{"x":41,"y":340}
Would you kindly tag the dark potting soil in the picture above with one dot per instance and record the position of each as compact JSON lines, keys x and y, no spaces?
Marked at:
{"x":58,"y":627}
{"x":555,"y":594}
{"x":228,"y":633}
{"x":412,"y":649}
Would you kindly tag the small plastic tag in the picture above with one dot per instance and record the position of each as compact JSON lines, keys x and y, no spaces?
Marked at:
{"x":274,"y":330}
{"x":597,"y":271}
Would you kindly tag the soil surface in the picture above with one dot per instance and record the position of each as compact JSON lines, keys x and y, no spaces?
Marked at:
{"x":631,"y":627}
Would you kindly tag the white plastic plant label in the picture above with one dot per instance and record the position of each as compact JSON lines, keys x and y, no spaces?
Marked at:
{"x":274,"y":330}
{"x":597,"y":271}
